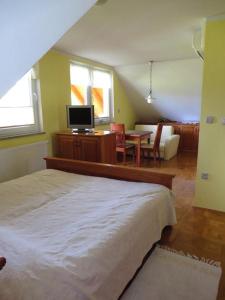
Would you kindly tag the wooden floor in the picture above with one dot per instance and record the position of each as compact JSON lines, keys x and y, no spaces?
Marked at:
{"x":198,"y":231}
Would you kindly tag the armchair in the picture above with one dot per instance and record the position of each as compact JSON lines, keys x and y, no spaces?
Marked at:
{"x":168,"y":143}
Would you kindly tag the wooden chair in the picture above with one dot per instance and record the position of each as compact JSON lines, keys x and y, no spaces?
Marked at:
{"x":2,"y":262}
{"x":121,"y":145}
{"x":155,"y":147}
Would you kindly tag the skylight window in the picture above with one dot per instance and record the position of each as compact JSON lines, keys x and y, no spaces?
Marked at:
{"x":20,"y":108}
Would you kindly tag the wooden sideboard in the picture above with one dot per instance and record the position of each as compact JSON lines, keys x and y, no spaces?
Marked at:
{"x":99,"y":146}
{"x":189,"y":135}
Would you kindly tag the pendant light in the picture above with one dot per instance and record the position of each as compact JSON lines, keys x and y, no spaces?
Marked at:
{"x":149,"y":97}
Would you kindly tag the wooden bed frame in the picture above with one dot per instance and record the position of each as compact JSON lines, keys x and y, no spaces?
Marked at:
{"x":2,"y":262}
{"x":109,"y":171}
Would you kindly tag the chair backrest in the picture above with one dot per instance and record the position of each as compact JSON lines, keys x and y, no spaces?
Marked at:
{"x":167,"y":131}
{"x":158,"y":136}
{"x":119,"y":129}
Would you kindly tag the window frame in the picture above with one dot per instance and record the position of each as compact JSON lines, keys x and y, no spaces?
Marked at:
{"x":28,"y":129}
{"x":91,"y":68}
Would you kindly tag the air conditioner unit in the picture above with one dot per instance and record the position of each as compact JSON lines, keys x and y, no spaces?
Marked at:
{"x":198,"y":43}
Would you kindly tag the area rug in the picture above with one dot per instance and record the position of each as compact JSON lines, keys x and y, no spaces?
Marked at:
{"x":168,"y":275}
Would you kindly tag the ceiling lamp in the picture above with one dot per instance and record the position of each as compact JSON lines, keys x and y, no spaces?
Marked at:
{"x":149,"y":97}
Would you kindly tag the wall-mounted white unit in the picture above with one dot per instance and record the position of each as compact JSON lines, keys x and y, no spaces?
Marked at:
{"x":198,"y":43}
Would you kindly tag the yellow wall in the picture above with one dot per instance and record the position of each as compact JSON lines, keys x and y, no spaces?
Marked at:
{"x":124,"y":112}
{"x":55,"y":94}
{"x":211,"y":157}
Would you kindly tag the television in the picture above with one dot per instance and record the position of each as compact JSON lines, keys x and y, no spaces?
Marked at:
{"x":80,"y":117}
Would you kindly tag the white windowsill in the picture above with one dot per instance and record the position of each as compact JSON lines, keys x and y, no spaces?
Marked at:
{"x":21,"y":135}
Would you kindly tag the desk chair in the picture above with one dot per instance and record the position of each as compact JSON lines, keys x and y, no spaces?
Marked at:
{"x":154,"y":148}
{"x":121,"y":145}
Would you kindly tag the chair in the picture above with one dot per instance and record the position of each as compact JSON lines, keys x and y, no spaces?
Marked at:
{"x":155,"y":147}
{"x":169,"y":141}
{"x":121,"y":145}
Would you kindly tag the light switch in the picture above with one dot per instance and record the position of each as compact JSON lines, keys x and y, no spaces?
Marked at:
{"x":223,"y":120}
{"x":209,"y":119}
{"x":205,"y":176}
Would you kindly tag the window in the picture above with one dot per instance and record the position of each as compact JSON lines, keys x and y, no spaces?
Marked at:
{"x":20,"y":108}
{"x":92,"y":86}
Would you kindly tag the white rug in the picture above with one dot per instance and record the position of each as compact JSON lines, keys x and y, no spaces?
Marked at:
{"x":170,"y":276}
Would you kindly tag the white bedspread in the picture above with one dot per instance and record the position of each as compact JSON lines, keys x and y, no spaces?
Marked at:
{"x":68,"y":236}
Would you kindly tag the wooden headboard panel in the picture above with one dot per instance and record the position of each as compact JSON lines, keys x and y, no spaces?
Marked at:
{"x":109,"y":171}
{"x":2,"y":262}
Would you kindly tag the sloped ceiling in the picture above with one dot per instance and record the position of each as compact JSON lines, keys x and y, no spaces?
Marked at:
{"x":176,"y":89}
{"x":122,"y":32}
{"x":127,"y":34}
{"x":28,"y":29}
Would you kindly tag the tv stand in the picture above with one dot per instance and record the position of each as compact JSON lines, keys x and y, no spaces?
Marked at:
{"x":97,"y":146}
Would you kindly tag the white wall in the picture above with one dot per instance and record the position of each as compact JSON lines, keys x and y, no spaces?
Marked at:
{"x":21,"y":160}
{"x":176,"y":88}
{"x":28,"y":29}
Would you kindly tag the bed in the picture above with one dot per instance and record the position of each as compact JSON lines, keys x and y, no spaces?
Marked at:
{"x":74,"y":231}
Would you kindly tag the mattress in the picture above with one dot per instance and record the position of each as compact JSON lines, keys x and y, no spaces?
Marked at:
{"x":69,"y":236}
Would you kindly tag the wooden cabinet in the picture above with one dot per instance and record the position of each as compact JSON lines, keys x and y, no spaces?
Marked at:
{"x":97,"y":147}
{"x":196,"y":137}
{"x":87,"y":148}
{"x":189,"y":135}
{"x":65,"y":146}
{"x":187,"y":138}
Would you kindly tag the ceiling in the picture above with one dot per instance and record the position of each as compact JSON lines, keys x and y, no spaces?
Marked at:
{"x":123,"y":32}
{"x":176,"y":89}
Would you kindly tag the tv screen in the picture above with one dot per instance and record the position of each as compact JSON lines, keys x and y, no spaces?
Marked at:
{"x":80,"y":117}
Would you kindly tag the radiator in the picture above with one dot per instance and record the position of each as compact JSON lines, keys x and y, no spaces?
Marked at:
{"x":22,"y":160}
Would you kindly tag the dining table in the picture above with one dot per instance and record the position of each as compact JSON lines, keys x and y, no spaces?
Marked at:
{"x":137,"y":136}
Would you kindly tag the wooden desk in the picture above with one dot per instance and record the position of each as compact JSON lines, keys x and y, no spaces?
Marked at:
{"x":138,"y":136}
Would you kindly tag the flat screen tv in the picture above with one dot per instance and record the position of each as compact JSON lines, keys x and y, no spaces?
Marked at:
{"x":80,"y":117}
